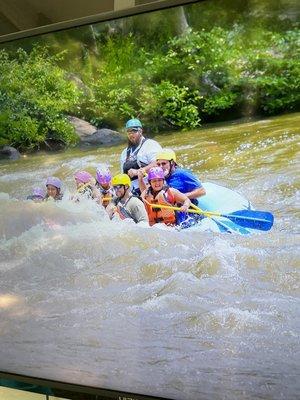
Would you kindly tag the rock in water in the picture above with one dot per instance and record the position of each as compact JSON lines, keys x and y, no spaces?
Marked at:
{"x":10,"y":153}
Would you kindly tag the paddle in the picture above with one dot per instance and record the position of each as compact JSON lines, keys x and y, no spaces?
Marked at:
{"x":261,"y":220}
{"x":223,"y":225}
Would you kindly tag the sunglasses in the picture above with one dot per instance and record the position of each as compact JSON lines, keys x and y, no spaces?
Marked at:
{"x":161,"y":164}
{"x":117,"y":187}
{"x":134,"y":130}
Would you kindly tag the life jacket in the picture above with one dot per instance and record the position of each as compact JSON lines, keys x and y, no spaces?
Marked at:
{"x":131,"y":158}
{"x":107,"y":194}
{"x":122,"y":211}
{"x":164,"y":197}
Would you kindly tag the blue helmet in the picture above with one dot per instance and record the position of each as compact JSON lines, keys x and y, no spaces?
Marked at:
{"x":133,"y":123}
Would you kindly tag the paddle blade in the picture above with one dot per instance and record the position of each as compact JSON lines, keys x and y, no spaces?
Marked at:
{"x":261,"y":220}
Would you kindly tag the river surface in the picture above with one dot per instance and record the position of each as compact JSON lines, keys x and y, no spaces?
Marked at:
{"x":184,"y":316}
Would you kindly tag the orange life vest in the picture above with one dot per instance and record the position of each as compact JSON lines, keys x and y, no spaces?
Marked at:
{"x":107,"y":194}
{"x":156,"y":215}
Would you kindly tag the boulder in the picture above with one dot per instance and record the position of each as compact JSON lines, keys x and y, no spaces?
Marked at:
{"x":9,"y":153}
{"x":82,"y":128}
{"x":91,"y":136}
{"x":103,"y":136}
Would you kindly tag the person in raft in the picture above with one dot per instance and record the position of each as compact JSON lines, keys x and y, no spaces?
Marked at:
{"x":140,"y":153}
{"x":103,"y":184}
{"x":38,"y":195}
{"x":125,"y":204}
{"x":179,"y":178}
{"x":86,"y":186}
{"x":53,"y":186}
{"x":159,"y":193}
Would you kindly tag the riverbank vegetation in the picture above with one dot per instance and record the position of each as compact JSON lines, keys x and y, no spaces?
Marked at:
{"x":175,"y":69}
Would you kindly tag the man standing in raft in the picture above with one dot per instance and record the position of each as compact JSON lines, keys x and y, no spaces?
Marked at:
{"x":140,"y":154}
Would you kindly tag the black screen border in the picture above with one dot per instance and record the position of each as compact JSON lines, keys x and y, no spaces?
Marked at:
{"x":93,"y":19}
{"x":70,"y":390}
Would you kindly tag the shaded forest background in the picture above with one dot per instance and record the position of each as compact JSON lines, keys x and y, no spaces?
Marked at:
{"x":175,"y":69}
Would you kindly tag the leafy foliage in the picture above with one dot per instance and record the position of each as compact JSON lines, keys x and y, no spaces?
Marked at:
{"x":34,"y":98}
{"x":171,"y":75}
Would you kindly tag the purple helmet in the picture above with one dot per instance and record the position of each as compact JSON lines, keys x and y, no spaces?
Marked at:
{"x":38,"y":192}
{"x":156,"y":173}
{"x":52,"y":180}
{"x":103,"y":176}
{"x":83,"y":176}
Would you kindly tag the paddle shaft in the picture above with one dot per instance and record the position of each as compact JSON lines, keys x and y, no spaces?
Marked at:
{"x":177,"y":208}
{"x":217,"y":214}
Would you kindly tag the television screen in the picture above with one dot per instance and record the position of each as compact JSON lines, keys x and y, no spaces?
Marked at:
{"x":202,"y":307}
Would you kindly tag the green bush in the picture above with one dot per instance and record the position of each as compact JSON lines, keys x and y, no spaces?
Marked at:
{"x":116,"y":97}
{"x":34,"y":98}
{"x":220,"y":101}
{"x":273,"y":73}
{"x":20,"y":131}
{"x":174,"y":83}
{"x":176,"y":106}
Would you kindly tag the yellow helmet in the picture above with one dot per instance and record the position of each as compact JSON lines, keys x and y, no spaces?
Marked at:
{"x":121,"y":179}
{"x":166,"y":154}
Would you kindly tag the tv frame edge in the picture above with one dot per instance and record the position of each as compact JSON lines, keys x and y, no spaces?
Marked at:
{"x":96,"y":18}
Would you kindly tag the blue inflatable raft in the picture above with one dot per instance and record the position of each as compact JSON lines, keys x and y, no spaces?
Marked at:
{"x":223,"y":200}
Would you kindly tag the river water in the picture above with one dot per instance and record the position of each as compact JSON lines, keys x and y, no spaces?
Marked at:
{"x":184,"y":316}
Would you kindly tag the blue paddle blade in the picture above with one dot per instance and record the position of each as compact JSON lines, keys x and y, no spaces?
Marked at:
{"x":261,"y":220}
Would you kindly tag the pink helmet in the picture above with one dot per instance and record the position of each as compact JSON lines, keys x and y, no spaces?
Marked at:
{"x":83,"y":176}
{"x":156,"y":173}
{"x":103,"y":176}
{"x":38,"y":192}
{"x":52,"y":180}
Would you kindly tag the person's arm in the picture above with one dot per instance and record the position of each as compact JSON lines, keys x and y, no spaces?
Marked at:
{"x":112,"y":211}
{"x":132,"y":172}
{"x":147,"y":155}
{"x":182,"y":199}
{"x":142,"y":184}
{"x":193,"y":185}
{"x":96,"y":195}
{"x":198,"y":192}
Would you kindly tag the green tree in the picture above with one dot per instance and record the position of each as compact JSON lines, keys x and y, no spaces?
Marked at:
{"x":34,"y":99}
